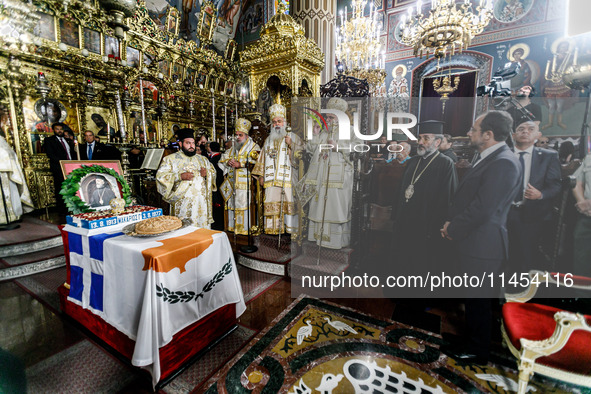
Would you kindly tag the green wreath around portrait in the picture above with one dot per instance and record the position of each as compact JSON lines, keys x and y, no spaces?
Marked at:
{"x":71,"y":185}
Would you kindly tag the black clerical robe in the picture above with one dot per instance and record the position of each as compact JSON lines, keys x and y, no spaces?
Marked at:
{"x":419,"y":218}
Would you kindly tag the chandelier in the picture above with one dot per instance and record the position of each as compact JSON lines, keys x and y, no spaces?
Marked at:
{"x":444,"y":87}
{"x":358,"y":48}
{"x":447,"y":28}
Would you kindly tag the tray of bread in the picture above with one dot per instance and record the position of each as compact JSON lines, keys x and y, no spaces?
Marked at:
{"x":156,"y":226}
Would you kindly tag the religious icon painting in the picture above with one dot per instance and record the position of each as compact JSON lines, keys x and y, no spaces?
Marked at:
{"x":132,"y":57}
{"x":4,"y":124}
{"x":69,"y":33}
{"x":164,"y":67}
{"x":172,"y":21}
{"x":529,"y":70}
{"x":173,"y":128}
{"x":111,"y":46}
{"x":211,"y":82}
{"x":147,"y":59}
{"x":230,"y":89}
{"x":101,"y":121}
{"x":231,"y":50}
{"x":190,"y":76}
{"x":92,"y":41}
{"x":221,"y":86}
{"x":45,"y":28}
{"x":206,"y":19}
{"x":507,"y":11}
{"x":202,"y":79}
{"x":177,"y":71}
{"x":137,"y":127}
{"x":42,"y":113}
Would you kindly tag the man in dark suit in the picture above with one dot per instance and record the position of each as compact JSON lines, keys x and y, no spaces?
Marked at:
{"x":478,"y":216}
{"x":426,"y":189}
{"x":446,"y":148}
{"x":532,"y":209}
{"x":57,"y":148}
{"x":94,"y":150}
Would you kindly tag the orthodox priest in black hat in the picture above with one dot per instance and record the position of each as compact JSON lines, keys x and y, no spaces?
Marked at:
{"x":187,"y":180}
{"x":426,"y":189}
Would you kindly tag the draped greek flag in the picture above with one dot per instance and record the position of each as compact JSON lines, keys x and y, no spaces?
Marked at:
{"x":86,"y":270}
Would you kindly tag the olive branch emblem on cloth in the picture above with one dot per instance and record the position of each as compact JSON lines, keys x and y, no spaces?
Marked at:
{"x":185,"y":296}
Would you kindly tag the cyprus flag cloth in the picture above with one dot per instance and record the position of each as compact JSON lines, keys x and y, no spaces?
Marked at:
{"x":155,"y":287}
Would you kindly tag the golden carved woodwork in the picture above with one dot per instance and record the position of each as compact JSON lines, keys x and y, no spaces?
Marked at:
{"x":157,"y":55}
{"x":285,"y":52}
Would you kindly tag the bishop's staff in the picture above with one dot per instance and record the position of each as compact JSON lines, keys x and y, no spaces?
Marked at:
{"x":325,"y":197}
{"x":252,"y":154}
{"x":281,"y":219}
{"x":235,"y":175}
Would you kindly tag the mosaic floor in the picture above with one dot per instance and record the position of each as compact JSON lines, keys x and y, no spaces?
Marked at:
{"x":317,"y":346}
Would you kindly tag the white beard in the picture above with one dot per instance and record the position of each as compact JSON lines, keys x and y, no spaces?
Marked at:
{"x":425,"y":151}
{"x":239,"y":145}
{"x":277,"y":133}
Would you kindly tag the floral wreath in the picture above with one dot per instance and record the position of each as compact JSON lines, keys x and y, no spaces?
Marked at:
{"x":71,"y":185}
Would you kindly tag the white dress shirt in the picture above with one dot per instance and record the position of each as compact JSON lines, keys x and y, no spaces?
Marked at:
{"x":488,"y":151}
{"x":527,"y":160}
{"x":64,"y":142}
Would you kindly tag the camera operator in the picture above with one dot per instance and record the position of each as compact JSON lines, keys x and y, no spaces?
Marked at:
{"x":523,"y":101}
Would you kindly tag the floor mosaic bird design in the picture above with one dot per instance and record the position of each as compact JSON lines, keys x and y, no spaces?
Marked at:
{"x":304,"y":331}
{"x":340,"y":326}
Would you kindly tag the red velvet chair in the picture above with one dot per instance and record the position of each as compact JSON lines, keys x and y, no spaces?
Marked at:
{"x":548,"y":340}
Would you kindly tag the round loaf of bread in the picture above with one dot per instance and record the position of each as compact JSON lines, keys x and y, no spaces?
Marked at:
{"x":159,"y":224}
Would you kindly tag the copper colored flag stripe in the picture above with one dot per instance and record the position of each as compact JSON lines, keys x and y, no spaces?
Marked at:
{"x":176,"y":252}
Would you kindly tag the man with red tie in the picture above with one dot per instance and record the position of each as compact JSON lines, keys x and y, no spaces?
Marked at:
{"x":57,"y":148}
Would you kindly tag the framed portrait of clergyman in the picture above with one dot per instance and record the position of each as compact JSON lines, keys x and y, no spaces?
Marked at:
{"x":97,"y":190}
{"x":92,"y":184}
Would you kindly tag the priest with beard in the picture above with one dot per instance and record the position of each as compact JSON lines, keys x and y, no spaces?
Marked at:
{"x":329,"y":182}
{"x":235,"y":163}
{"x":276,"y":172}
{"x":186,"y":181}
{"x":427,"y":186}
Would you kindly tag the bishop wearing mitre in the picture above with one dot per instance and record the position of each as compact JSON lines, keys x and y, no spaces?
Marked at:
{"x":236,"y":163}
{"x":276,"y":171}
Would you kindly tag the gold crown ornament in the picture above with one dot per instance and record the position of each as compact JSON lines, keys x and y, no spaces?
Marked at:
{"x":243,"y":125}
{"x":277,"y":111}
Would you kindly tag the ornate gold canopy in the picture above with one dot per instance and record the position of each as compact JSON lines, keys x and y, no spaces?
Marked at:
{"x":285,"y":52}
